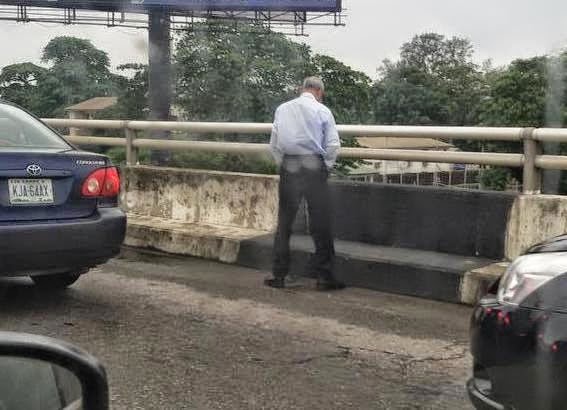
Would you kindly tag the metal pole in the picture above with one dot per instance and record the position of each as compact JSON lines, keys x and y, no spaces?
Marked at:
{"x":532,"y":178}
{"x":160,"y":78}
{"x":131,"y":150}
{"x":552,"y":162}
{"x":100,"y":141}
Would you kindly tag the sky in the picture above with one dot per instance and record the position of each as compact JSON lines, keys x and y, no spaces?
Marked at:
{"x":501,"y":30}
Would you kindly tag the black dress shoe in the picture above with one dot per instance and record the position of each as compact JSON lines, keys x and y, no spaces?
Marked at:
{"x":330,"y":285}
{"x":278,"y":283}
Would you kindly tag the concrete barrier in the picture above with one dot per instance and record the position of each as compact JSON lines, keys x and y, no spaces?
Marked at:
{"x":438,"y":243}
{"x":198,"y":213}
{"x":459,"y":222}
{"x":533,"y":219}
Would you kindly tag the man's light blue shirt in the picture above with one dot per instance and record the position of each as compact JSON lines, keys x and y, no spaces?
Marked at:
{"x":304,"y":126}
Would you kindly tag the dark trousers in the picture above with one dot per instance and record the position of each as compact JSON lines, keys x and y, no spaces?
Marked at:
{"x":305,"y":177}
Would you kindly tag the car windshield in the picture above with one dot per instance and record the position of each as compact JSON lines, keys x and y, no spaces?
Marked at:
{"x":18,"y":129}
{"x":291,"y":204}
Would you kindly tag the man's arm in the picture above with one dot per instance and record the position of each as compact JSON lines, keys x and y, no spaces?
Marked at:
{"x":276,"y":151}
{"x":332,"y":139}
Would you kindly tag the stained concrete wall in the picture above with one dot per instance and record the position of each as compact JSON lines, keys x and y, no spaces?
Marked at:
{"x":471,"y":223}
{"x":203,"y":197}
{"x":534,"y":218}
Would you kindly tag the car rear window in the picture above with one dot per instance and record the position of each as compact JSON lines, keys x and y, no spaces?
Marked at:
{"x":18,"y":129}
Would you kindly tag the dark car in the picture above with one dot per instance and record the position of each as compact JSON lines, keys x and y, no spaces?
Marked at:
{"x":59,"y":213}
{"x":519,"y":334}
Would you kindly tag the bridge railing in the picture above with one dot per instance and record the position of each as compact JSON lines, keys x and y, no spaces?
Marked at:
{"x":531,"y":160}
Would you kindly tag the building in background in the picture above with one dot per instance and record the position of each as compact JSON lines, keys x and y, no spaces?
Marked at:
{"x":87,"y":110}
{"x":414,"y":172}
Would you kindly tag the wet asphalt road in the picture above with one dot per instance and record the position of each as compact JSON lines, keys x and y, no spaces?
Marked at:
{"x":191,"y":334}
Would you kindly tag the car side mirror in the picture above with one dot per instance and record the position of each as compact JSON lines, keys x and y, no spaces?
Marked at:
{"x":38,"y":372}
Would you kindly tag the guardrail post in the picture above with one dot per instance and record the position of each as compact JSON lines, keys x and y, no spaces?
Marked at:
{"x":131,"y":150}
{"x":532,"y":176}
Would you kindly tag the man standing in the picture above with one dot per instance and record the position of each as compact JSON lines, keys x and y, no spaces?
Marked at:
{"x":305,"y":144}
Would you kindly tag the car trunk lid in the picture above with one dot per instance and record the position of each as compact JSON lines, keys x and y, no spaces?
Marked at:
{"x":45,"y":184}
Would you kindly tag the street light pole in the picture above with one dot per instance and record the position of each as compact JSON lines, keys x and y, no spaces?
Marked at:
{"x":160,"y":75}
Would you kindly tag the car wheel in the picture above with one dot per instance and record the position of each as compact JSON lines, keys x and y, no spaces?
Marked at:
{"x":56,"y":281}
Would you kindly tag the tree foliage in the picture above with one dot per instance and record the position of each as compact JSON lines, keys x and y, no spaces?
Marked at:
{"x":347,"y":91}
{"x":435,"y":81}
{"x":132,"y":92}
{"x":76,"y":71}
{"x":227,"y":74}
{"x":516,"y":95}
{"x":19,"y":83}
{"x":519,"y":95}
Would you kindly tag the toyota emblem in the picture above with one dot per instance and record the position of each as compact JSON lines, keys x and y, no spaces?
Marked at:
{"x":34,"y":170}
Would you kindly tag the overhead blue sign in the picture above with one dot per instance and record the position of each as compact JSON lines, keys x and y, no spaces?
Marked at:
{"x":188,"y":5}
{"x":280,"y":5}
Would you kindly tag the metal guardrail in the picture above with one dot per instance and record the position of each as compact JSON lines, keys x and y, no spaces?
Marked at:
{"x":532,"y":161}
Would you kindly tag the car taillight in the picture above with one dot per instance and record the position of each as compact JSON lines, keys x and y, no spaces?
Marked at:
{"x":104,"y":182}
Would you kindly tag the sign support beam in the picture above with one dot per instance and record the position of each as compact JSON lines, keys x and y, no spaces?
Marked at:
{"x":160,"y":74}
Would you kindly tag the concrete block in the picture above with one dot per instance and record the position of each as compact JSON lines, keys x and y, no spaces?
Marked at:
{"x":476,"y":282}
{"x":426,"y":274}
{"x":533,"y":219}
{"x":158,"y":192}
{"x":248,"y":201}
{"x":468,"y":223}
{"x":209,"y":242}
{"x":204,"y":197}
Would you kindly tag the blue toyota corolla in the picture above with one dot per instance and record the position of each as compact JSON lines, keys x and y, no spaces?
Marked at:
{"x":59,"y":213}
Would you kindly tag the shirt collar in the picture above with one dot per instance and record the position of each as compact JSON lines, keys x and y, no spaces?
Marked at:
{"x":308,"y":95}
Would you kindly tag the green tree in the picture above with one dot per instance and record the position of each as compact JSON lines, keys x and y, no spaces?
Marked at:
{"x":227,"y":73}
{"x":347,"y":91}
{"x":80,"y":53}
{"x":19,"y":83}
{"x":523,"y":94}
{"x":517,"y":95}
{"x":78,"y":71}
{"x":496,"y":179}
{"x":435,"y":81}
{"x":516,"y":98}
{"x":132,"y":92}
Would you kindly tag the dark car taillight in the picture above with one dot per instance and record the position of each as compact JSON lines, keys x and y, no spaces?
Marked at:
{"x":104,"y":182}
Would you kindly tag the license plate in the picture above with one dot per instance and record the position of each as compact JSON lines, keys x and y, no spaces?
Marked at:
{"x":30,"y":191}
